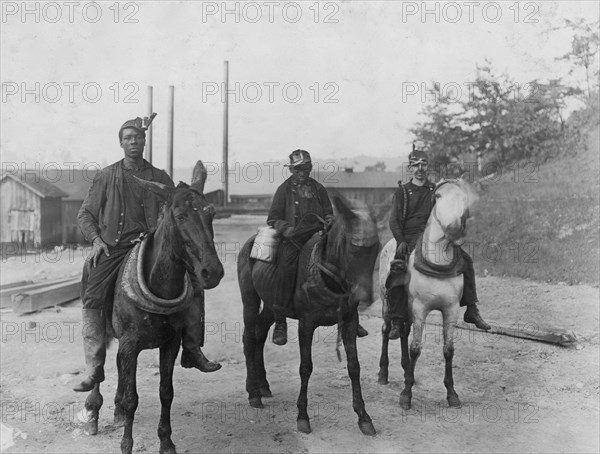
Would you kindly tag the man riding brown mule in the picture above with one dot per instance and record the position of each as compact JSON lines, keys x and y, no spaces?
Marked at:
{"x":300,"y":208}
{"x":161,"y":278}
{"x":115,"y":213}
{"x":334,"y":273}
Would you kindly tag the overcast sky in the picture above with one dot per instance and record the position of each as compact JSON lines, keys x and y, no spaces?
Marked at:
{"x":339,"y":79}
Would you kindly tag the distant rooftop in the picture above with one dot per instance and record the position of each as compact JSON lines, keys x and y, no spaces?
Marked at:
{"x":38,"y":185}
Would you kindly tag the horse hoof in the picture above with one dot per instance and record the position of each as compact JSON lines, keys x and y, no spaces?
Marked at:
{"x":367,"y":428}
{"x":265,"y":392}
{"x":91,"y":428}
{"x":119,"y":421}
{"x":382,"y":379}
{"x":304,"y":426}
{"x":169,"y":448}
{"x":255,"y":402}
{"x":454,"y":401}
{"x":405,"y":402}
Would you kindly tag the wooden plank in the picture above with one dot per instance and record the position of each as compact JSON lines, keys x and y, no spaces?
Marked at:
{"x":6,"y":295}
{"x":37,"y":299}
{"x":15,"y":284}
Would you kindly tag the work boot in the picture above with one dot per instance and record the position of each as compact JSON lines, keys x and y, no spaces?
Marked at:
{"x":472,"y":316}
{"x":280,"y":333}
{"x":194,"y":357}
{"x":396,"y":329}
{"x":94,"y":348}
{"x":361,"y":331}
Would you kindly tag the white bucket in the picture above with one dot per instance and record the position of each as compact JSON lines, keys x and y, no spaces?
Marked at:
{"x":265,"y":244}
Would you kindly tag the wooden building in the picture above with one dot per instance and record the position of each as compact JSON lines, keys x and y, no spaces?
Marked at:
{"x":363,"y":188}
{"x":76,"y":183}
{"x":30,"y":212}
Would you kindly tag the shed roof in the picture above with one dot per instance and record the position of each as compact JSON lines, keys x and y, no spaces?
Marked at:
{"x":36,"y":184}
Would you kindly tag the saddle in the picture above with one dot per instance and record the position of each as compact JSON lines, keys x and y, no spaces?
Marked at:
{"x":136,"y":291}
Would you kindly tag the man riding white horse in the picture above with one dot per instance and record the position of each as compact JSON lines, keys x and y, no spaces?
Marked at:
{"x":411,"y":207}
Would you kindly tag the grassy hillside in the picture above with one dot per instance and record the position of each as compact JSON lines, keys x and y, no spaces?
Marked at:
{"x":542,"y":221}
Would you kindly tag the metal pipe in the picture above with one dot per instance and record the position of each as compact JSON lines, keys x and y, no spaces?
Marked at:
{"x":149,"y":132}
{"x":170,"y":130}
{"x":226,"y":137}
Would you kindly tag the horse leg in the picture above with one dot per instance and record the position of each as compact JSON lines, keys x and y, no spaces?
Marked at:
{"x":168,"y":355}
{"x":450,"y":318}
{"x":127,"y":360}
{"x":349,"y":330}
{"x":119,"y":415}
{"x":265,"y":320}
{"x":251,"y":302}
{"x":306,"y":330}
{"x":93,"y":403}
{"x":384,"y":361}
{"x":410,"y":357}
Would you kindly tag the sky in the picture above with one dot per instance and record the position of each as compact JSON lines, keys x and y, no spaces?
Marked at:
{"x":340,"y":79}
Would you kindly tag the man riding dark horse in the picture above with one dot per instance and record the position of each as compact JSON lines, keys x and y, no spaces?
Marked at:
{"x":411,"y":207}
{"x":300,"y":208}
{"x":115,"y":212}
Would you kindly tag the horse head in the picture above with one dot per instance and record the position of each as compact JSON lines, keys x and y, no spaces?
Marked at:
{"x":353,"y":245}
{"x":189,"y":217}
{"x":452,"y":201}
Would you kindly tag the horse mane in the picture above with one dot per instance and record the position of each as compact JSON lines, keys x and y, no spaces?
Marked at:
{"x":336,"y":241}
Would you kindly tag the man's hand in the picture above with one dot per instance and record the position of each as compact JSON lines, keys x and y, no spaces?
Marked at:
{"x":99,"y":247}
{"x":401,"y":251}
{"x":288,"y":232}
{"x":329,"y":220}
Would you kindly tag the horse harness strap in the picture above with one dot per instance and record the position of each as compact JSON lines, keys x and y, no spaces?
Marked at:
{"x":315,"y":288}
{"x":137,"y":292}
{"x":453,"y":269}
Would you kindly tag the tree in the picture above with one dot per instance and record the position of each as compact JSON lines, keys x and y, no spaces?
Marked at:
{"x":584,"y":51}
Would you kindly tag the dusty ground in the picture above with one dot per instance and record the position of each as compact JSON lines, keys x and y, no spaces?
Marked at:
{"x":518,"y":396}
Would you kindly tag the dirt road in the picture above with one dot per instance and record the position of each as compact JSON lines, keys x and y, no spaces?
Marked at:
{"x":518,"y":396}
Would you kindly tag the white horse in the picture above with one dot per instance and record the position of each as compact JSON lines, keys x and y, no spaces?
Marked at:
{"x":433,"y":285}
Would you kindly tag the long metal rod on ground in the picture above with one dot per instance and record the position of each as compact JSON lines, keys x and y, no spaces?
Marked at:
{"x":527,"y":331}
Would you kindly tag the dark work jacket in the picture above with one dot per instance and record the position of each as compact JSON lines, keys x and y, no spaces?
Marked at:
{"x":420,"y":204}
{"x":291,"y":203}
{"x":104,"y":211}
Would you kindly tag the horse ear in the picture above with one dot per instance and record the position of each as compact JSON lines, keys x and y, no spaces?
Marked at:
{"x":199,"y":177}
{"x":161,"y":190}
{"x":342,"y":208}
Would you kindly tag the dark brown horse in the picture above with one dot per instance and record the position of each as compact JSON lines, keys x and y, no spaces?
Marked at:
{"x":334,"y":274}
{"x":180,"y":251}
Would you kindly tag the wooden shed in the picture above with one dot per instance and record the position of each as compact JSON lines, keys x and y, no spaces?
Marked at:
{"x":76,"y":184}
{"x":30,"y":212}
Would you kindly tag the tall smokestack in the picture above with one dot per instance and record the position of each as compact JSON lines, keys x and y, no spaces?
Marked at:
{"x":170,"y":130}
{"x":149,"y":132}
{"x":226,"y":137}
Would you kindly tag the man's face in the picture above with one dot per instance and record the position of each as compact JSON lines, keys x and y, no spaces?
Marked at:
{"x":301,"y":172}
{"x":419,"y":170}
{"x":132,"y":143}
